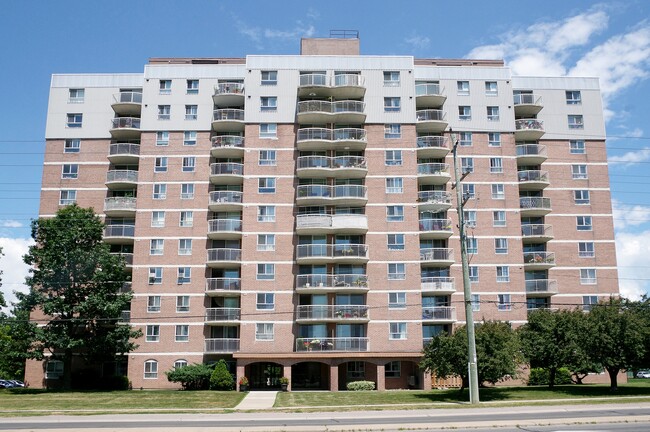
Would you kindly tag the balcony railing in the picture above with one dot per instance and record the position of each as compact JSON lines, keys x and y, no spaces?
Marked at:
{"x":222,"y":314}
{"x":229,"y":88}
{"x":129,"y":176}
{"x":224,"y":225}
{"x":437,"y":283}
{"x":313,"y":79}
{"x":436,"y":254}
{"x":531,"y":150}
{"x":228,"y":114}
{"x":119,"y":203}
{"x":441,"y":313}
{"x":332,"y":251}
{"x":433,"y":141}
{"x":433,"y":169}
{"x":332,"y":281}
{"x":439,"y":197}
{"x":326,"y":107}
{"x":225,"y":197}
{"x":125,"y":317}
{"x":226,"y":168}
{"x":127,"y":97}
{"x":324,"y":134}
{"x":541,"y":286}
{"x":221,"y":345}
{"x":435,"y":225}
{"x":532,"y":176}
{"x":128,"y":257}
{"x":337,"y":162}
{"x":340,"y":191}
{"x":539,"y":257}
{"x":350,"y":344}
{"x":127,"y":149}
{"x":529,"y":124}
{"x":226,"y":141}
{"x":428,"y":90}
{"x":527,"y":99}
{"x":125,"y":123}
{"x":430,"y":115}
{"x":342,"y":221}
{"x":119,"y":230}
{"x":331,"y":312}
{"x":223,"y":284}
{"x":348,"y":80}
{"x":535,"y":203}
{"x":224,"y":254}
{"x":537,"y":230}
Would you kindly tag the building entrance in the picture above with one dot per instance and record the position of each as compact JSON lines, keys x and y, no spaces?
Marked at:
{"x":265,"y":376}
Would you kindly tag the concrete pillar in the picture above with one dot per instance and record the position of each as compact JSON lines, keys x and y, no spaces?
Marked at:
{"x":334,"y":378}
{"x":381,"y":377}
{"x":241,"y":372}
{"x":287,"y":373}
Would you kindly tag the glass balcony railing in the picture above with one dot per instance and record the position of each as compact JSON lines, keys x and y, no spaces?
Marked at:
{"x":529,"y":124}
{"x":229,"y":88}
{"x":232,"y":168}
{"x":432,"y":141}
{"x":535,"y":203}
{"x":433,"y":169}
{"x":127,"y":97}
{"x":120,"y":203}
{"x":226,"y":197}
{"x":336,"y":162}
{"x":331,"y":312}
{"x":332,"y":251}
{"x":228,"y":114}
{"x":332,"y":281}
{"x":346,"y":344}
{"x":440,"y":197}
{"x":119,"y":230}
{"x":435,"y":225}
{"x":437,"y":283}
{"x":340,"y":191}
{"x":440,"y":313}
{"x":221,"y":345}
{"x":324,"y":134}
{"x":125,"y":123}
{"x":124,"y":149}
{"x":224,"y":225}
{"x":537,"y":230}
{"x":223,"y":284}
{"x":326,"y":107}
{"x":541,"y":286}
{"x":436,"y":254}
{"x":539,"y":258}
{"x":532,"y":176}
{"x":222,"y":314}
{"x":524,"y":150}
{"x":227,"y":141}
{"x":430,"y":115}
{"x":527,"y":99}
{"x":224,"y":254}
{"x":428,"y":90}
{"x":120,"y":176}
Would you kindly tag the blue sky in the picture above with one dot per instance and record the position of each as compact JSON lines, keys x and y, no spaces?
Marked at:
{"x":610,"y":40}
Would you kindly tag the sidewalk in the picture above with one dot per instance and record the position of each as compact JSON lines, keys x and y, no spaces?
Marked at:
{"x":257,"y":400}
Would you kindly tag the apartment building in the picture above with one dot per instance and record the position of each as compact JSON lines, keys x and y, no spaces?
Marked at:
{"x":296,"y":215}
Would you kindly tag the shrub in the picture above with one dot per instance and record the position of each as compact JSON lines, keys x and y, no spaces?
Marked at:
{"x":191,"y":377}
{"x":361,"y":385}
{"x":540,"y":376}
{"x":221,"y":378}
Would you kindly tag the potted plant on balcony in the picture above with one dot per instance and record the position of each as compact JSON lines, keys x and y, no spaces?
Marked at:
{"x":284,"y":383}
{"x":243,"y":384}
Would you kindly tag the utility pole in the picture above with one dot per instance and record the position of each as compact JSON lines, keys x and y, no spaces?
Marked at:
{"x":469,"y":318}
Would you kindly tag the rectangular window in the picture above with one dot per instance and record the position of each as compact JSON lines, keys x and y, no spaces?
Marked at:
{"x":265,"y":301}
{"x":189,"y":164}
{"x":266,"y":242}
{"x":588,"y":302}
{"x":586,"y":250}
{"x":268,"y":103}
{"x":583,"y":223}
{"x":160,"y":164}
{"x":496,"y":165}
{"x":391,"y":78}
{"x":184,"y":275}
{"x":498,"y":218}
{"x":187,"y":191}
{"x":471,"y":245}
{"x":70,"y":171}
{"x":186,"y":219}
{"x":467,"y":165}
{"x":156,"y":246}
{"x":266,"y":214}
{"x":469,"y":217}
{"x":465,"y":139}
{"x":189,"y":138}
{"x":267,"y":157}
{"x":192,"y":86}
{"x":266,"y":185}
{"x":469,"y":191}
{"x":153,"y":304}
{"x":269,"y":77}
{"x":504,"y":302}
{"x":396,"y":271}
{"x":162,"y":138}
{"x":182,"y":303}
{"x":476,"y":302}
{"x":493,"y":113}
{"x":464,"y":113}
{"x":397,"y":330}
{"x":494,"y":139}
{"x":164,"y":112}
{"x":588,"y":276}
{"x":491,"y":88}
{"x":67,"y":197}
{"x":268,"y":130}
{"x":191,"y":112}
{"x":577,"y":147}
{"x":503,"y":274}
{"x":151,"y":369}
{"x":393,"y":157}
{"x":159,"y":191}
{"x":182,"y":333}
{"x":463,"y":88}
{"x":264,"y":331}
{"x":392,"y":104}
{"x":581,"y":197}
{"x":579,"y":172}
{"x":395,"y":213}
{"x":498,"y":191}
{"x":394,"y":185}
{"x":72,"y":146}
{"x":155,"y":275}
{"x":392,"y":130}
{"x":473,"y":274}
{"x":397,"y":300}
{"x":158,"y":219}
{"x":576,"y":121}
{"x":356,"y":370}
{"x":165,"y":87}
{"x":501,"y":245}
{"x":573,"y":97}
{"x":395,"y":241}
{"x":153,"y":333}
{"x":74,"y":120}
{"x":185,"y":246}
{"x":76,"y":95}
{"x":393,"y":369}
{"x":265,"y":271}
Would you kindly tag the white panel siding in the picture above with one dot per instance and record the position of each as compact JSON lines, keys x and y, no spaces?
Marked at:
{"x":96,"y":80}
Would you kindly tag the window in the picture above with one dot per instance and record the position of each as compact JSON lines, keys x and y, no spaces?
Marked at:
{"x":155,"y":275}
{"x":473,"y":274}
{"x":162,"y":138}
{"x":185,"y":246}
{"x":503,"y":274}
{"x":577,"y":147}
{"x":266,"y":185}
{"x":186,"y":219}
{"x":469,"y":217}
{"x":266,"y":242}
{"x":395,"y":213}
{"x":396,"y":271}
{"x":268,"y":130}
{"x":491,"y":88}
{"x":498,"y":218}
{"x":189,"y":138}
{"x":496,"y":165}
{"x":467,"y":165}
{"x":182,"y":333}
{"x":156,"y":246}
{"x":187,"y":191}
{"x":76,"y":95}
{"x":67,"y":197}
{"x":153,"y":304}
{"x":576,"y":121}
{"x":464,"y":113}
{"x":74,"y":120}
{"x":581,"y":197}
{"x":586,"y":250}
{"x":153,"y":333}
{"x":165,"y":87}
{"x":394,"y":185}
{"x":267,"y":157}
{"x":264,"y":331}
{"x":504,"y":302}
{"x":180,"y":363}
{"x":269,"y":77}
{"x":184,"y":275}
{"x":160,"y":164}
{"x":476,"y":302}
{"x":71,"y":146}
{"x":397,"y":300}
{"x":392,"y":130}
{"x":150,"y":369}
{"x":397,"y":330}
{"x":395,"y":241}
{"x":192,"y":86}
{"x":465,"y":139}
{"x":471,"y":245}
{"x":393,"y":157}
{"x":164,"y":112}
{"x":588,"y":276}
{"x":159,"y":191}
{"x":498,"y":191}
{"x":501,"y":245}
{"x":265,"y":301}
{"x":469,"y":191}
{"x":70,"y":171}
{"x":573,"y":97}
{"x":494,"y":139}
{"x":265,"y":271}
{"x":266,"y":214}
{"x":391,"y":78}
{"x":268,"y":103}
{"x":583,"y":223}
{"x":579,"y":172}
{"x":463,"y":88}
{"x":183,"y":303}
{"x":392,"y":104}
{"x":189,"y":163}
{"x":191,"y":112}
{"x":393,"y":369}
{"x":588,"y":301}
{"x":356,"y":369}
{"x":493,"y":113}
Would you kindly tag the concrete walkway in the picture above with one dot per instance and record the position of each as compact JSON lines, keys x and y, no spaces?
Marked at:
{"x":257,"y":400}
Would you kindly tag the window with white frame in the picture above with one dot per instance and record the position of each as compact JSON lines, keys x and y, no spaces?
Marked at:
{"x":498,"y":191}
{"x":588,"y":276}
{"x":494,"y":139}
{"x":491,"y":88}
{"x":266,"y":242}
{"x":269,"y":77}
{"x":74,"y":120}
{"x":467,"y":165}
{"x":493,"y":113}
{"x":265,"y":301}
{"x":76,"y":95}
{"x":496,"y":165}
{"x":577,"y":147}
{"x":581,"y":197}
{"x":465,"y":139}
{"x":191,"y":112}
{"x":266,"y":185}
{"x":184,"y":275}
{"x":393,"y":157}
{"x":463,"y":88}
{"x":265,"y":271}
{"x":576,"y":121}
{"x":573,"y":97}
{"x":464,"y":113}
{"x":155,"y":275}
{"x":264,"y":331}
{"x":267,"y":157}
{"x":503,"y":274}
{"x":392,"y":104}
{"x":393,"y":369}
{"x":395,"y":213}
{"x":583,"y":223}
{"x":394,"y":185}
{"x":476,"y":302}
{"x":70,"y":171}
{"x":72,"y":146}
{"x":165,"y":86}
{"x":151,"y":369}
{"x":397,"y":300}
{"x":159,"y":191}
{"x":588,"y":302}
{"x":469,"y":217}
{"x":356,"y":369}
{"x":469,"y":191}
{"x":164,"y":112}
{"x":266,"y":213}
{"x":157,"y":219}
{"x":391,"y":78}
{"x":499,"y":218}
{"x":501,"y":245}
{"x":152,"y":333}
{"x":586,"y":250}
{"x":396,"y":271}
{"x":185,"y":246}
{"x":160,"y":164}
{"x":268,"y":103}
{"x":397,"y":330}
{"x":186,"y":219}
{"x":162,"y":138}
{"x":395,"y":241}
{"x":393,"y":130}
{"x":182,"y":333}
{"x":67,"y":197}
{"x":192,"y":86}
{"x":187,"y":191}
{"x":156,"y":246}
{"x":180,"y":364}
{"x":471,"y":245}
{"x":268,"y":130}
{"x":189,"y":138}
{"x":183,"y":303}
{"x":153,"y":304}
{"x":189,"y":164}
{"x":504,"y":303}
{"x":473,"y":274}
{"x":579,"y":172}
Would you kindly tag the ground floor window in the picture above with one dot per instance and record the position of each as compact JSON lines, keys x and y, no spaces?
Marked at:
{"x":393,"y":369}
{"x":356,"y":370}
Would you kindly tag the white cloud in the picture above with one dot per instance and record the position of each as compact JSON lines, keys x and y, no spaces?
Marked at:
{"x":258,"y":34}
{"x":631,"y":157}
{"x":14,"y":270}
{"x":626,"y":216}
{"x":418,"y":42}
{"x":297,"y":32}
{"x":10,"y":224}
{"x":633,"y":257}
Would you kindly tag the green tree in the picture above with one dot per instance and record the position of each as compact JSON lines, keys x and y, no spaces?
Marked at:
{"x":446,"y":356}
{"x":191,"y":377}
{"x":16,"y":336}
{"x":221,"y":378}
{"x":75,"y":282}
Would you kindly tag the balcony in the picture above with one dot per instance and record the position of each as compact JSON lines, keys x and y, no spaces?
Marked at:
{"x":127,"y":103}
{"x":224,"y":258}
{"x":348,"y":86}
{"x":531,"y":154}
{"x":532,"y":179}
{"x":121,"y":179}
{"x":332,"y":344}
{"x":439,"y":314}
{"x":340,"y":283}
{"x":430,"y":121}
{"x":429,"y":96}
{"x":528,"y":129}
{"x":228,"y":94}
{"x":227,"y":173}
{"x":125,"y":128}
{"x":227,"y":146}
{"x":313,"y":85}
{"x":119,"y":206}
{"x":214,"y":346}
{"x":433,"y":173}
{"x":438,"y":285}
{"x":322,"y":139}
{"x":435,"y":228}
{"x":318,"y":112}
{"x":527,"y":104}
{"x":125,"y":317}
{"x":328,"y":253}
{"x":437,"y":256}
{"x":126,"y":288}
{"x":224,"y":229}
{"x":434,"y":201}
{"x":225,"y":201}
{"x":314,"y":224}
{"x":128,"y":259}
{"x":332,"y":195}
{"x":534,"y":206}
{"x":337,"y":167}
{"x":223,"y":287}
{"x":228,"y":120}
{"x":124,"y":153}
{"x":539,"y":260}
{"x":332,"y":313}
{"x":541,"y":288}
{"x":222,"y":315}
{"x":536,"y":233}
{"x":432,"y":146}
{"x":119,"y":234}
